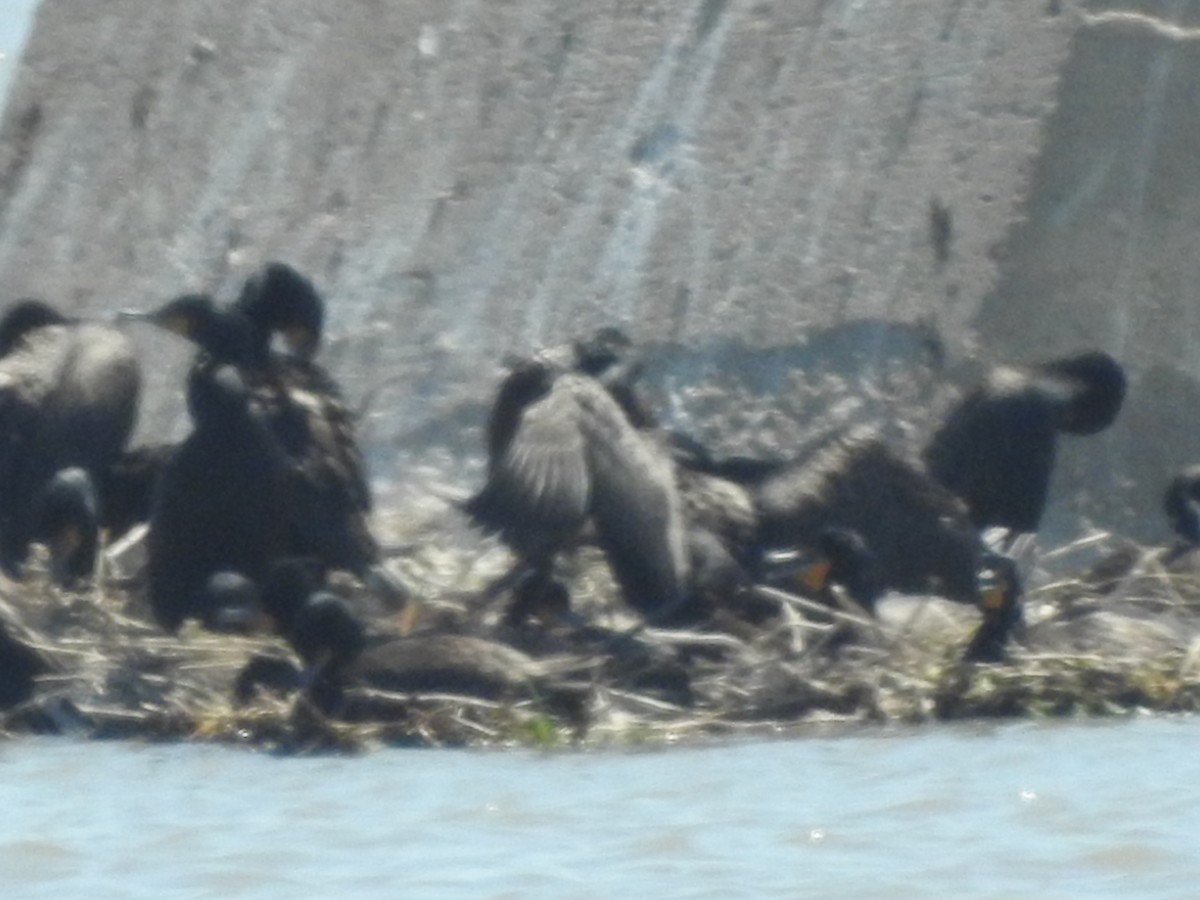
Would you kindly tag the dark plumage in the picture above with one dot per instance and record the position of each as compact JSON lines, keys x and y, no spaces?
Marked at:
{"x":562,"y":453}
{"x":223,"y":333}
{"x":126,"y":487}
{"x":229,"y":602}
{"x":278,"y":299}
{"x":287,"y":584}
{"x":298,"y":400}
{"x":748,"y":471}
{"x":75,"y":506}
{"x":1003,"y":611}
{"x":996,"y":448}
{"x":837,"y":557}
{"x":918,"y":532}
{"x":223,"y":501}
{"x":23,"y":317}
{"x":22,"y":660}
{"x":1181,"y":503}
{"x":68,"y":398}
{"x":67,"y":521}
{"x":608,"y":355}
{"x":339,"y":652}
{"x":538,"y":596}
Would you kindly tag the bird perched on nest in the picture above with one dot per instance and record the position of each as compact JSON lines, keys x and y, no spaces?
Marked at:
{"x":996,"y":447}
{"x":1181,"y":503}
{"x":126,"y":487}
{"x":1003,"y":610}
{"x":339,"y":651}
{"x":1168,"y":574}
{"x":918,"y":532}
{"x":563,"y":454}
{"x":838,"y":558}
{"x":223,"y":503}
{"x":68,"y":398}
{"x":78,"y":510}
{"x":1112,"y":625}
{"x":841,"y":572}
{"x":300,"y":403}
{"x":67,"y":520}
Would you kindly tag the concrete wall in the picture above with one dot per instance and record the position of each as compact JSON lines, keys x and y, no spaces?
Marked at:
{"x":747,"y":184}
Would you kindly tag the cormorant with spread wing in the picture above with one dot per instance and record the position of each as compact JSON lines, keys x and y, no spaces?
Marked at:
{"x":562,"y":453}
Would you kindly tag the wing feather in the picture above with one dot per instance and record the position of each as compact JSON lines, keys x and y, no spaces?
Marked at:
{"x":635,"y":506}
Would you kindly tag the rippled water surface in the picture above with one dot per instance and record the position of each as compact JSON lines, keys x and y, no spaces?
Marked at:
{"x":1061,"y":810}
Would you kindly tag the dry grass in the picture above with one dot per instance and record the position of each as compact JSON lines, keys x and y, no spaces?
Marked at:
{"x":1096,"y":645}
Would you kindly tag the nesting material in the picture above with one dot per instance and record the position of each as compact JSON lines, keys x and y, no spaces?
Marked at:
{"x":1120,"y":637}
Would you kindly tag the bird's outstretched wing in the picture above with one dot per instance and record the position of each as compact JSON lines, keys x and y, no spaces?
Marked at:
{"x":539,"y":485}
{"x":635,"y":506}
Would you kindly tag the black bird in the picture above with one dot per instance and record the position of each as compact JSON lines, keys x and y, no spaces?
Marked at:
{"x":67,"y":521}
{"x":278,"y":299}
{"x":609,"y":356}
{"x":1181,"y":503}
{"x":563,"y":453}
{"x":230,"y":602}
{"x":126,"y":487}
{"x":319,"y":625}
{"x":996,"y":448}
{"x":339,"y":651}
{"x":222,"y":503}
{"x":1003,"y":610}
{"x":841,"y":557}
{"x":301,"y":404}
{"x":1107,"y":625}
{"x":838,"y":557}
{"x":287,"y":585}
{"x":75,"y":507}
{"x":68,"y":398}
{"x":918,"y":532}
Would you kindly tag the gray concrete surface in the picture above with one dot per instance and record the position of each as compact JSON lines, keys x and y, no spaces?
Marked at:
{"x":746,"y":184}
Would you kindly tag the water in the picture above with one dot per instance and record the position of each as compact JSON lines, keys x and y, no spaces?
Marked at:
{"x":1060,"y":810}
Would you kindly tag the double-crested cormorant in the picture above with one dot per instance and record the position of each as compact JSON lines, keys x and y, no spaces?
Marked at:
{"x":319,"y":625}
{"x":838,"y":557}
{"x":339,"y":652}
{"x":996,"y":448}
{"x":222,"y":503}
{"x":75,"y":506}
{"x":68,"y":398}
{"x":841,"y":557}
{"x":609,"y":356}
{"x":278,"y":299}
{"x":1112,"y":624}
{"x":1003,"y":610}
{"x":1181,"y":503}
{"x":67,"y":521}
{"x":562,"y":452}
{"x":330,"y":497}
{"x":918,"y":532}
{"x":126,"y":487}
